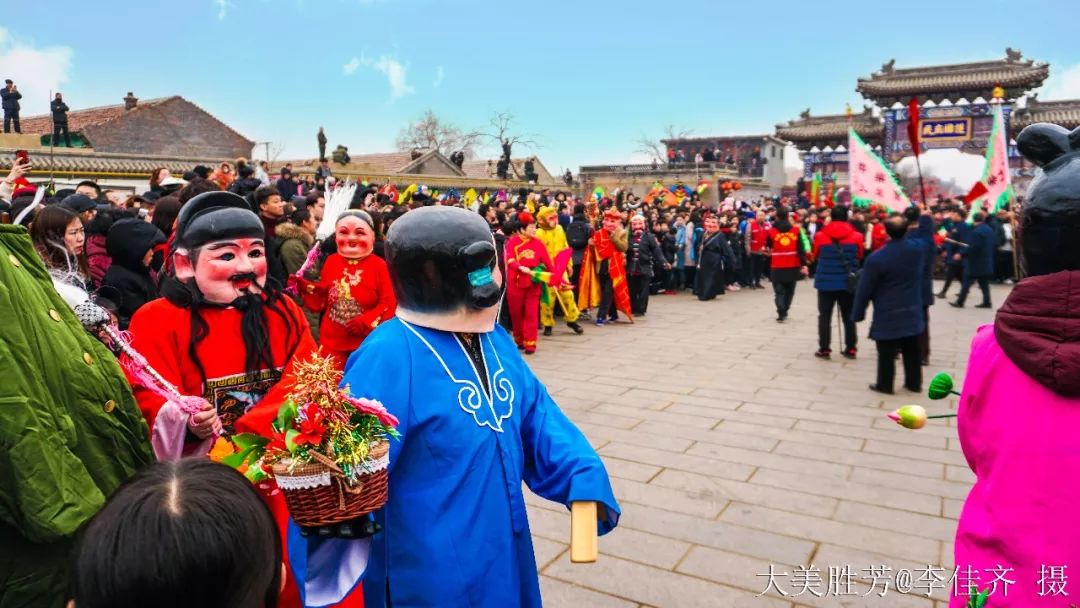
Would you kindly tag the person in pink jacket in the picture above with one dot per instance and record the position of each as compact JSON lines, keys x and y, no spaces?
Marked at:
{"x":1019,"y":416}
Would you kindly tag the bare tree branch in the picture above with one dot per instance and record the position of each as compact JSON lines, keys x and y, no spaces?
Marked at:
{"x":432,"y":133}
{"x":649,"y":146}
{"x":655,"y":147}
{"x":500,"y":129}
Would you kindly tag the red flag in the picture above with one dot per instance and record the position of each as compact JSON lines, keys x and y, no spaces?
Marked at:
{"x":913,"y":125}
{"x":977,"y":190}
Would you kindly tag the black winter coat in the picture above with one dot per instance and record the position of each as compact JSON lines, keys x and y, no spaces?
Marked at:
{"x":127,"y":279}
{"x":643,"y":255}
{"x":59,"y":112}
{"x":10,"y":99}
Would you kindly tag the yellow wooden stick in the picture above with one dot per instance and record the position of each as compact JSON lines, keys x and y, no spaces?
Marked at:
{"x":583,"y":542}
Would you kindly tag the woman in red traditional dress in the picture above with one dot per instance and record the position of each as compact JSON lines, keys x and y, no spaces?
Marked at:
{"x":353,"y":292}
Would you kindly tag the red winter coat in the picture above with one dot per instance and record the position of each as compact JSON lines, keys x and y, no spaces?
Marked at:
{"x":758,"y":235}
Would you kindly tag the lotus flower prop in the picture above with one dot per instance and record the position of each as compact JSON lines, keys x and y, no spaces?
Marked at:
{"x":913,"y":416}
{"x":941,"y":386}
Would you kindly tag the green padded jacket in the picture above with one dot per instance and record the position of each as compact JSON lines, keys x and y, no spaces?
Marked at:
{"x":70,"y":430}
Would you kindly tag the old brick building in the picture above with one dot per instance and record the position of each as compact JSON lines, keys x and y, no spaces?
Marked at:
{"x":167,"y":126}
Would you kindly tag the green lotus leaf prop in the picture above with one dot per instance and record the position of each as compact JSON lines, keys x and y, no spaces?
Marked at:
{"x":941,"y":386}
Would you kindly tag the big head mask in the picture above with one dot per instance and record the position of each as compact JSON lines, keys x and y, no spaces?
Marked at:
{"x":442,"y":262}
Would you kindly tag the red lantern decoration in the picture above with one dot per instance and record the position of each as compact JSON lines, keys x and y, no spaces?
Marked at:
{"x":737,"y":186}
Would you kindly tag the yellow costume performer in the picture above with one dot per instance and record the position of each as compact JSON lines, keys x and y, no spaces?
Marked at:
{"x":552,"y":235}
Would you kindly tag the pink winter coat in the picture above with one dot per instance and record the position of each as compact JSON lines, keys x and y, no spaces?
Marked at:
{"x":1019,"y":427}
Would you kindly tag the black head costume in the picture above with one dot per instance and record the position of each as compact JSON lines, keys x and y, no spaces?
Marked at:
{"x":1049,"y":228}
{"x":219,"y":216}
{"x":441,"y":260}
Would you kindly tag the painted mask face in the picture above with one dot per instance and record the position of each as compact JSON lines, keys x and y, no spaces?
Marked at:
{"x":355,"y":239}
{"x":225,"y":270}
{"x":552,"y":220}
{"x":637,"y":224}
{"x":611,"y":225}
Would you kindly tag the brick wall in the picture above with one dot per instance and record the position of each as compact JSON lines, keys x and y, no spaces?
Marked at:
{"x":175,"y":127}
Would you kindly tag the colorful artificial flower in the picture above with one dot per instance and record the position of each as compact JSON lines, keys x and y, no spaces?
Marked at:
{"x":312,"y":427}
{"x":909,"y":416}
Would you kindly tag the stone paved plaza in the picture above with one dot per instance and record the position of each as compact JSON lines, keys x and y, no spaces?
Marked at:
{"x":731,"y":448}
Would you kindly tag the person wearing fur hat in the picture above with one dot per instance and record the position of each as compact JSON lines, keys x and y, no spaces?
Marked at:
{"x":476,"y":424}
{"x":353,"y":292}
{"x":528,"y":267}
{"x":1020,"y":404}
{"x":552,"y":235}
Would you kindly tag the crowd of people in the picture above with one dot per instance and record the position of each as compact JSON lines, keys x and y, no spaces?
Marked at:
{"x":159,"y":267}
{"x":592,"y":258}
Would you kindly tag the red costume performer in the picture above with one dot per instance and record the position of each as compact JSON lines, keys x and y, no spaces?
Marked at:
{"x":603,"y":282}
{"x":527,"y":266}
{"x":221,"y":335}
{"x":354,"y":292}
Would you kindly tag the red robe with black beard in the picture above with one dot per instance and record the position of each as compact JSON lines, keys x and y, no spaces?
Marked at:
{"x":161,"y":332}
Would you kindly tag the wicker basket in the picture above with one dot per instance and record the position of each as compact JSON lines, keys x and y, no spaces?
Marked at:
{"x":317,"y":493}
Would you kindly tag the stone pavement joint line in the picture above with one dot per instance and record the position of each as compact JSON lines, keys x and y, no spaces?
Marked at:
{"x":731,"y":448}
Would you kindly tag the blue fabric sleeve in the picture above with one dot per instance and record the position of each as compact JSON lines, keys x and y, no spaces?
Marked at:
{"x":560,"y":465}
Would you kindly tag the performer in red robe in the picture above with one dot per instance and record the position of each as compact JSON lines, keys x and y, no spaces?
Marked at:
{"x":223,"y":334}
{"x":528,"y":265}
{"x":353,"y":292}
{"x":602,"y":283}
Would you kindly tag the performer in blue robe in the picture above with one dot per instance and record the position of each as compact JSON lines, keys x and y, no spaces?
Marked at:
{"x":475,"y":423}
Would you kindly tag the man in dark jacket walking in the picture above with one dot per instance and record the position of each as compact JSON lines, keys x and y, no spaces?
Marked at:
{"x":893,"y":281}
{"x":59,"y":120}
{"x":954,"y":266}
{"x":9,"y":100}
{"x":837,"y":249}
{"x":921,"y":233}
{"x":978,"y":260}
{"x":642,"y":256}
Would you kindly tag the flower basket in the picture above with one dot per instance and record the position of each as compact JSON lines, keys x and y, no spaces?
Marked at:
{"x":319,"y":494}
{"x":328,"y":451}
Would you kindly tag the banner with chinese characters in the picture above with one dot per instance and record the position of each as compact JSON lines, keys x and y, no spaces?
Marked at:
{"x":872,"y":183}
{"x":945,"y":128}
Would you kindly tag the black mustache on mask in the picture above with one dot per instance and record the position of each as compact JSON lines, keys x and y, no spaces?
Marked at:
{"x":244,"y":276}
